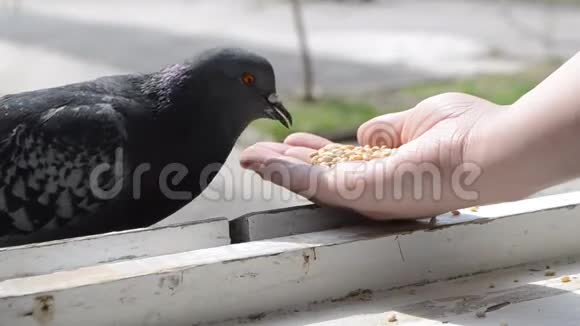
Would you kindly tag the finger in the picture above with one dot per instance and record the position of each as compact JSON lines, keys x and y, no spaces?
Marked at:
{"x":383,"y":130}
{"x":258,"y":154}
{"x":304,"y":179}
{"x":298,"y":152}
{"x":303,"y":154}
{"x":326,"y":186}
{"x":274,"y":146}
{"x":304,"y":139}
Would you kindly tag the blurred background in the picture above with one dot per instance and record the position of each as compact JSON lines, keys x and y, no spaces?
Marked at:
{"x":338,"y":63}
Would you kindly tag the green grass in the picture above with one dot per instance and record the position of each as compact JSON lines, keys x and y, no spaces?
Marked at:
{"x":325,"y":116}
{"x":341,"y":116}
{"x":497,"y":88}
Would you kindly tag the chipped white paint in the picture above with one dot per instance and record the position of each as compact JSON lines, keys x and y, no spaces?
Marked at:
{"x":42,"y":258}
{"x":261,"y":276}
{"x":525,"y":206}
{"x":534,"y":300}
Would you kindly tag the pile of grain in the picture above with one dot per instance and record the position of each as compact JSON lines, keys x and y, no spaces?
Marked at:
{"x":332,"y":154}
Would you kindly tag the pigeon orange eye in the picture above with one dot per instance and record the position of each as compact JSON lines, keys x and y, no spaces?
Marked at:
{"x":248,"y":79}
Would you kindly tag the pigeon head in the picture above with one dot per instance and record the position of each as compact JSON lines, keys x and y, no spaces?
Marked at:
{"x":232,"y":83}
{"x":244,"y":82}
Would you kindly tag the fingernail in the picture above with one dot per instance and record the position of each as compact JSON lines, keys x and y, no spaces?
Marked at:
{"x":245,"y":164}
{"x":254,"y":166}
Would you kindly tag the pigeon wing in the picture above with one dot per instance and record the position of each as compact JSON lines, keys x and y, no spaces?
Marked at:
{"x":57,"y":165}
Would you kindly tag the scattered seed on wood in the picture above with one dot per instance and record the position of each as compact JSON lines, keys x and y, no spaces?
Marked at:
{"x":338,"y":153}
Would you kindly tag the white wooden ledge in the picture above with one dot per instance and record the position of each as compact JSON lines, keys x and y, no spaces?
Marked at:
{"x":48,"y":257}
{"x":256,"y":277}
{"x":535,"y":299}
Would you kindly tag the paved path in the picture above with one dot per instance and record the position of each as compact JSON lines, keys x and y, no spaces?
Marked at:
{"x":383,"y":44}
{"x":140,"y":48}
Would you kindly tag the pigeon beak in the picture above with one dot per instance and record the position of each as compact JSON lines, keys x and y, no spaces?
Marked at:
{"x":277,"y":111}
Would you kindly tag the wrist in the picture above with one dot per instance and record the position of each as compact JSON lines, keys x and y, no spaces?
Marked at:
{"x":507,"y":157}
{"x":523,"y":152}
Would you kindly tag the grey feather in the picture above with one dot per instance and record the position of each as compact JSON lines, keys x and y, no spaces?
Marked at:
{"x":70,"y":154}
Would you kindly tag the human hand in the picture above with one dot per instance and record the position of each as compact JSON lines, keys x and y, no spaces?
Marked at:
{"x":440,"y":164}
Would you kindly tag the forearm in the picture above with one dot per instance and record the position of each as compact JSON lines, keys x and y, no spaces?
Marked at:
{"x":537,"y":140}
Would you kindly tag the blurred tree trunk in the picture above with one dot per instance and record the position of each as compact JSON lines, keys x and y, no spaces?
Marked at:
{"x":304,"y":50}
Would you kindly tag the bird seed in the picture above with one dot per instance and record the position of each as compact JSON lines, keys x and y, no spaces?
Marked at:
{"x":550,"y":272}
{"x":333,"y":154}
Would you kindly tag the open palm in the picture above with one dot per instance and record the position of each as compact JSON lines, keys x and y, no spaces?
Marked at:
{"x":435,"y":169}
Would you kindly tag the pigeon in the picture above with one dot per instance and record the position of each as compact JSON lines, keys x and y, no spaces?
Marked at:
{"x":124,"y":152}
